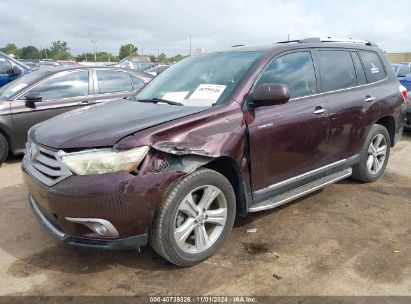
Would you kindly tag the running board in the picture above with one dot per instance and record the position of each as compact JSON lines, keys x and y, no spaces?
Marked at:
{"x":291,"y":195}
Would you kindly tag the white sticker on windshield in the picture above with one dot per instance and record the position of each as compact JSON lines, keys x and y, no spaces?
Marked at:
{"x":208,"y":91}
{"x":175,"y":96}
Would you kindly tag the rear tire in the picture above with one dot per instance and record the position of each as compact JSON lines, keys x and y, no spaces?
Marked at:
{"x":4,"y":149}
{"x":194,"y":218}
{"x":374,"y":155}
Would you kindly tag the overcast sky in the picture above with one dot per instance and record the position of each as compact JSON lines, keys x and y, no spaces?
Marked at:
{"x":212,"y":24}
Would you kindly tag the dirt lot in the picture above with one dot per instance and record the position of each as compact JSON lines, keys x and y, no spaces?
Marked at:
{"x":348,"y":239}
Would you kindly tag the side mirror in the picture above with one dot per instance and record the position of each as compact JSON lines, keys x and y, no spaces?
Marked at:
{"x":408,"y":77}
{"x":14,"y":71}
{"x":31,"y":99}
{"x":270,"y":94}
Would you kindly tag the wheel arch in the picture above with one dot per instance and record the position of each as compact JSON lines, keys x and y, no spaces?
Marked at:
{"x":7,"y":137}
{"x":227,"y":167}
{"x":389,"y":123}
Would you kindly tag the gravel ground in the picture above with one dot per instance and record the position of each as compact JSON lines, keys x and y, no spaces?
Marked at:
{"x":347,"y":239}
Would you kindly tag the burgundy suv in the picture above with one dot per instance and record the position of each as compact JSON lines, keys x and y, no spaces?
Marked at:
{"x":214,"y":136}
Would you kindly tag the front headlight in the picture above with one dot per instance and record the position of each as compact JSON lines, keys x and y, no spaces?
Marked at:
{"x":100,"y":161}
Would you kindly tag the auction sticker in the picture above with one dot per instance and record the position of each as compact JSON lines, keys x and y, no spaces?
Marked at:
{"x":208,"y":91}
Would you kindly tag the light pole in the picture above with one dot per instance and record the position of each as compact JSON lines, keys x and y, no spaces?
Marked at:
{"x":95,"y":50}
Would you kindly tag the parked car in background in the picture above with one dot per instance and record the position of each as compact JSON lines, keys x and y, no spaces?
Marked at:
{"x":403,"y":73}
{"x":138,"y":63}
{"x":11,"y":69}
{"x":157,"y":69}
{"x":68,"y":63}
{"x":48,"y":63}
{"x":215,"y":136}
{"x":32,"y":63}
{"x":404,"y":63}
{"x":48,"y":92}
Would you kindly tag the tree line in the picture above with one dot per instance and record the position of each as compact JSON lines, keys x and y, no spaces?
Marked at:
{"x":59,"y":50}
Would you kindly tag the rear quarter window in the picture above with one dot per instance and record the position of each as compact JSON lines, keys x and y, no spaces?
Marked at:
{"x":374,"y":69}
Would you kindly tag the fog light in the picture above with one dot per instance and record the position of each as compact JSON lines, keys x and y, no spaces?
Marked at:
{"x":101,"y":227}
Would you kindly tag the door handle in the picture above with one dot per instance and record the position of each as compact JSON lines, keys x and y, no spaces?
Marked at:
{"x":319,"y":110}
{"x":368,"y":98}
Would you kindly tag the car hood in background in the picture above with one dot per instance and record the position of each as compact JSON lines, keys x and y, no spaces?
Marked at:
{"x":105,"y":124}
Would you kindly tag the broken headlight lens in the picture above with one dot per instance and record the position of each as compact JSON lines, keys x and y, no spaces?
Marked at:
{"x":98,"y":161}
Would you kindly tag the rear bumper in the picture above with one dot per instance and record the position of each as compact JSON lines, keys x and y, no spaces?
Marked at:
{"x":56,"y":231}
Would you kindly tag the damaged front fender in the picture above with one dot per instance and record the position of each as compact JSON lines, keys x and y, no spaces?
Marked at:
{"x":218,"y":131}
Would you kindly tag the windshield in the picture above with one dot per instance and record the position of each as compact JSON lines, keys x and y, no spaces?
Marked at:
{"x":201,"y":80}
{"x":13,"y":87}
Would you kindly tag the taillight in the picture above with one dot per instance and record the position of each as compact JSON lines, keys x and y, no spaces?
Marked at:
{"x":404,"y":92}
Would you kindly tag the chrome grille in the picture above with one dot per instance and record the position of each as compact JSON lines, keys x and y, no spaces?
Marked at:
{"x":44,"y":165}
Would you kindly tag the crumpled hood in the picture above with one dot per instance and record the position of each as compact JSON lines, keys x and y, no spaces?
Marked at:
{"x":105,"y":124}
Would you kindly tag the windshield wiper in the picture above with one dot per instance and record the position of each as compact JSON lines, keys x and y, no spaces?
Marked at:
{"x":157,"y":100}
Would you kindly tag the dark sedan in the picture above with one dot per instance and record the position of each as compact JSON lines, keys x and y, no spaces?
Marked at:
{"x":51,"y":91}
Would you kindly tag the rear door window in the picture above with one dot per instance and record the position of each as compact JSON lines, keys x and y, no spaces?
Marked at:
{"x":114,"y":81}
{"x":374,"y":69}
{"x":359,"y":69}
{"x":295,"y":70}
{"x":337,"y":70}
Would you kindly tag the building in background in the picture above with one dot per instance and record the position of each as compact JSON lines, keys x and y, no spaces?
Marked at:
{"x":399,"y":57}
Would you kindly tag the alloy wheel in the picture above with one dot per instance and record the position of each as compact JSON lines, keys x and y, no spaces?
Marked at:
{"x":377,"y":152}
{"x":200,"y":219}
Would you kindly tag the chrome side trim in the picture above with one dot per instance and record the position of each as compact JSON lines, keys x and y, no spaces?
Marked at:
{"x":44,"y":220}
{"x":90,"y":222}
{"x":340,"y":90}
{"x":300,"y":191}
{"x":303,"y":176}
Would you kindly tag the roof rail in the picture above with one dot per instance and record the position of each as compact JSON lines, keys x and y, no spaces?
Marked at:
{"x":329,"y":39}
{"x":344,"y":40}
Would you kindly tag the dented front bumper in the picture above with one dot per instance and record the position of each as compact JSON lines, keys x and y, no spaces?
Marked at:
{"x":126,"y":201}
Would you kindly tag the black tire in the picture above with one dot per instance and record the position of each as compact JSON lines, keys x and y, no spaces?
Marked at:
{"x":161,"y":236}
{"x":360,"y":170}
{"x":4,"y":149}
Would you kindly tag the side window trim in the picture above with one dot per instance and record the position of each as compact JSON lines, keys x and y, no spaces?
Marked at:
{"x":54,"y":76}
{"x":275,"y":57}
{"x":355,"y":67}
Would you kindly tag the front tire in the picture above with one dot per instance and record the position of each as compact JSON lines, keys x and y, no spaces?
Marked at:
{"x":4,"y":148}
{"x":374,"y":155}
{"x":194,"y":218}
